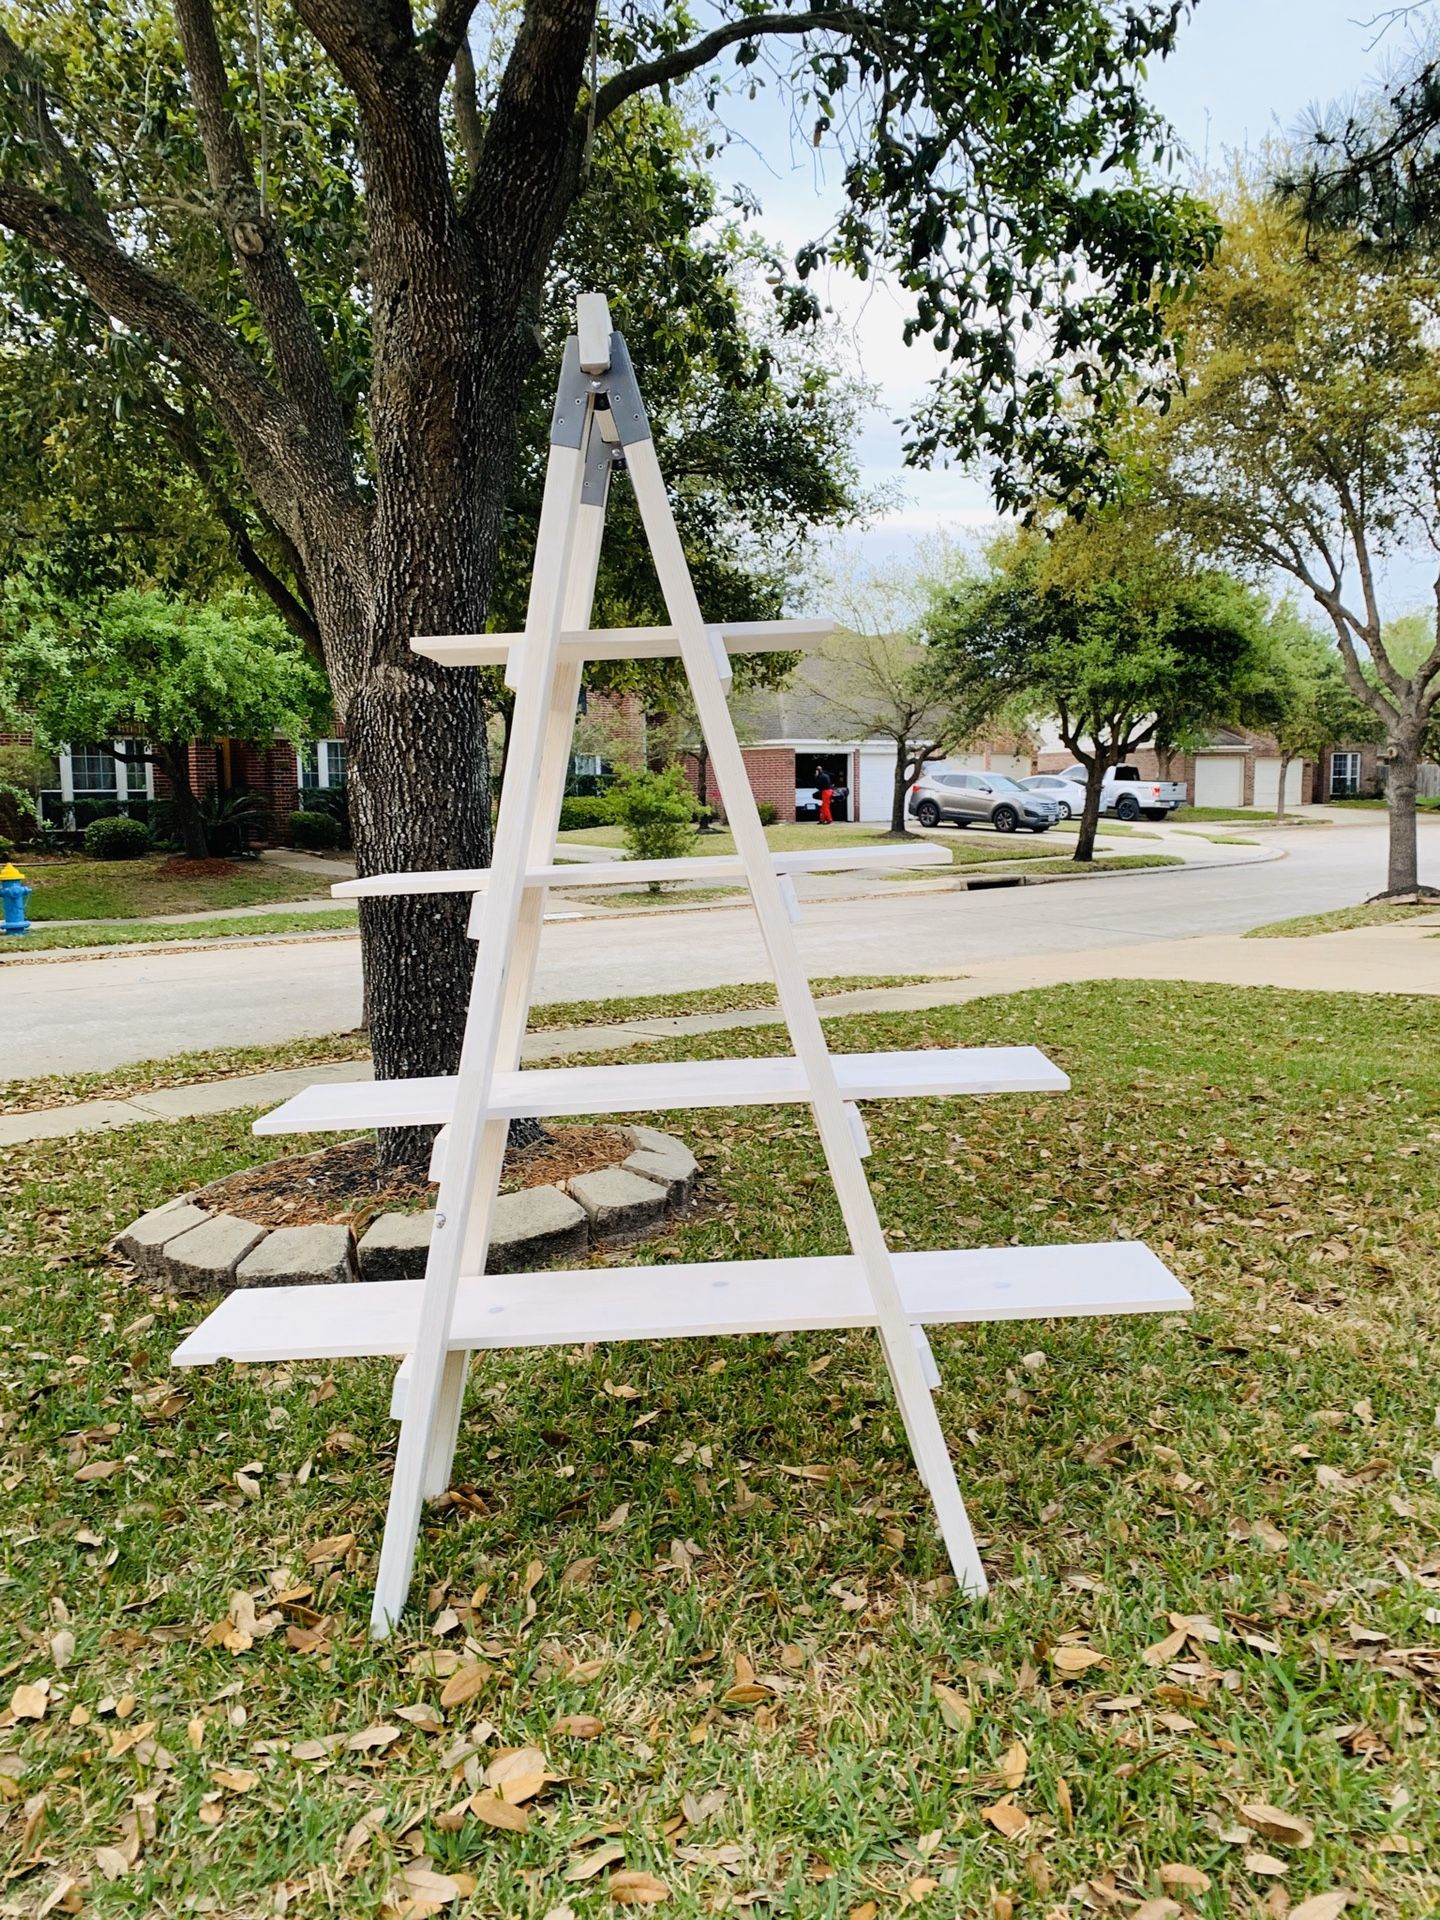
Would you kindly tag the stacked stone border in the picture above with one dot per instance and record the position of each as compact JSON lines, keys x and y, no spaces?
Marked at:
{"x":185,"y":1248}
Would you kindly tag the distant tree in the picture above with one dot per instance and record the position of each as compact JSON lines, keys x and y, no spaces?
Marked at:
{"x":1107,"y":630}
{"x":170,"y":672}
{"x":1298,"y":695}
{"x":1308,"y":441}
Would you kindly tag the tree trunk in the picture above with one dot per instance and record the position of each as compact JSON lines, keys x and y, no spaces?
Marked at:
{"x":174,"y":758}
{"x":1285,"y":760}
{"x":1090,"y":812}
{"x":1404,"y":875}
{"x":900,"y":788}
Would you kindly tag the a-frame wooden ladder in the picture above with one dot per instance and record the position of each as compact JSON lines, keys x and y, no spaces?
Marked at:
{"x":600,"y":426}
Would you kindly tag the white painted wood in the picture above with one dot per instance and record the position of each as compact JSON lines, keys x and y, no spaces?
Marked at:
{"x":604,"y":873}
{"x":476,"y":1148}
{"x":592,"y":327}
{"x":928,"y":1365}
{"x":678,"y":1300}
{"x":931,"y":1073}
{"x":791,"y":899}
{"x":623,"y":643}
{"x":858,"y":1130}
{"x":847,"y":1172}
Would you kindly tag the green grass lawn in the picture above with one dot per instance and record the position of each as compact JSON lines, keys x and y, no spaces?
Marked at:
{"x":1253,"y":816}
{"x":1212,"y":1539}
{"x":1220,"y":839}
{"x":1110,"y":863}
{"x":1426,"y":803}
{"x":784,"y":837}
{"x":1377,"y":913}
{"x":138,"y":889}
{"x":132,"y":933}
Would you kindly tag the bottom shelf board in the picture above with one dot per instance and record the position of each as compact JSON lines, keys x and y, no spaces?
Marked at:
{"x":679,"y":1301}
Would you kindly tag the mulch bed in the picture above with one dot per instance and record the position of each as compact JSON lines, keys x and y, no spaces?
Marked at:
{"x":346,"y":1184}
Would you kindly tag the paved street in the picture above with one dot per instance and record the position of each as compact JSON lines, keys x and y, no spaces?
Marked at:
{"x":64,"y":1016}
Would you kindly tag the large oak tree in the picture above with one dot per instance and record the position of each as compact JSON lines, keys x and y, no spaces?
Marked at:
{"x":337,"y":232}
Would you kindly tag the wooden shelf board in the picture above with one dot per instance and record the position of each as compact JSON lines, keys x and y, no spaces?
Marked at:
{"x":664,"y":1085}
{"x":680,"y":1301}
{"x":624,"y":643}
{"x":600,"y":873}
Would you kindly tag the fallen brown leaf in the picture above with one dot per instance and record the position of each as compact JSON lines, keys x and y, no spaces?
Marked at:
{"x":495,"y":1812}
{"x":1323,"y":1906}
{"x":586,"y":1865}
{"x":1273,"y":1823}
{"x":580,"y":1726}
{"x":637,"y":1889}
{"x":1006,"y":1818}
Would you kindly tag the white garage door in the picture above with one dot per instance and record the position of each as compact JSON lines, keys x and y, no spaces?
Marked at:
{"x":877,"y":777}
{"x":1267,"y":781}
{"x":1219,"y":779}
{"x":1015,"y":764}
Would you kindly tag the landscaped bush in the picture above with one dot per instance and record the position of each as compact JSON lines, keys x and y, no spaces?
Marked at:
{"x":579,"y":810}
{"x":316,"y":832}
{"x":656,"y":812}
{"x":115,"y":837}
{"x":769,"y":813}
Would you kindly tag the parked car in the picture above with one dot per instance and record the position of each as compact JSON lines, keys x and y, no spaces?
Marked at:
{"x":1127,"y":796}
{"x":975,"y":799}
{"x":1068,"y":795}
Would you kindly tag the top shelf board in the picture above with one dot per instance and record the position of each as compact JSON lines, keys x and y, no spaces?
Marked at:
{"x":624,"y":643}
{"x":604,"y":873}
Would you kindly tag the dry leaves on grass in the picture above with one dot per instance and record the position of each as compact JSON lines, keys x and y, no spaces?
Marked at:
{"x":1070,"y":1661}
{"x":1323,"y":1906}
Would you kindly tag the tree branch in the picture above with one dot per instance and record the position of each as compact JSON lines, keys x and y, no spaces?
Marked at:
{"x":674,"y":66}
{"x":51,"y":147}
{"x":449,"y":36}
{"x":254,"y":236}
{"x":180,"y":430}
{"x":467,"y":108}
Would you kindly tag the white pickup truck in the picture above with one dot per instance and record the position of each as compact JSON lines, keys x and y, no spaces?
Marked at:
{"x":1127,"y":796}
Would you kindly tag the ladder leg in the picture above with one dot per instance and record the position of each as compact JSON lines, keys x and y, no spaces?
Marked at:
{"x":837,"y":1136}
{"x":515,"y":1007}
{"x":443,"y":1435}
{"x":470,"y":1176}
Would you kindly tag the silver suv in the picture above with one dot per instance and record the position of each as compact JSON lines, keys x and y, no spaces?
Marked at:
{"x":971,"y":799}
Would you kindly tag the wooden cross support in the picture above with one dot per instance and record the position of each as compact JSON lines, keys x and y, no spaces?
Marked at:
{"x":599,"y":427}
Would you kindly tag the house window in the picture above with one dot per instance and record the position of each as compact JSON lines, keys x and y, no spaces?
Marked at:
{"x":585,"y":765}
{"x":321,"y":764}
{"x":1344,"y":775}
{"x":92,"y":772}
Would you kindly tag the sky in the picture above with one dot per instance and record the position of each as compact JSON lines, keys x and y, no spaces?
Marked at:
{"x":1243,"y":71}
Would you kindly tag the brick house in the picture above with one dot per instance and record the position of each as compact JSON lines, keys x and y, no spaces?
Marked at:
{"x":85,"y":781}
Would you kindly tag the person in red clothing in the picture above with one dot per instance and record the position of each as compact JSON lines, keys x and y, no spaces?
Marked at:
{"x":827,"y":796}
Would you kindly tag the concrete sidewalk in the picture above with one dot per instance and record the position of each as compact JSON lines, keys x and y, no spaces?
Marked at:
{"x":1390,"y":959}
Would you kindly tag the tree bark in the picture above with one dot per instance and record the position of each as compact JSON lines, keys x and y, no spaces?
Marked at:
{"x":1090,"y":814}
{"x":900,"y":787}
{"x":174,"y":759}
{"x":1285,"y":760}
{"x":1403,"y":874}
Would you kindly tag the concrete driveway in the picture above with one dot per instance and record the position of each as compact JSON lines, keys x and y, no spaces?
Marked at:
{"x":66,"y":1016}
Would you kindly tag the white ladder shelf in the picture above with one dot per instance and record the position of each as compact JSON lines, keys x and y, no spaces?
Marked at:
{"x":433,"y":1325}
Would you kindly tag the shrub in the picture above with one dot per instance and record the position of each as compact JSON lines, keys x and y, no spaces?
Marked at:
{"x":336,"y":802}
{"x":656,"y":813}
{"x":769,"y":813}
{"x":579,"y":810}
{"x":316,"y":832}
{"x":117,"y":838}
